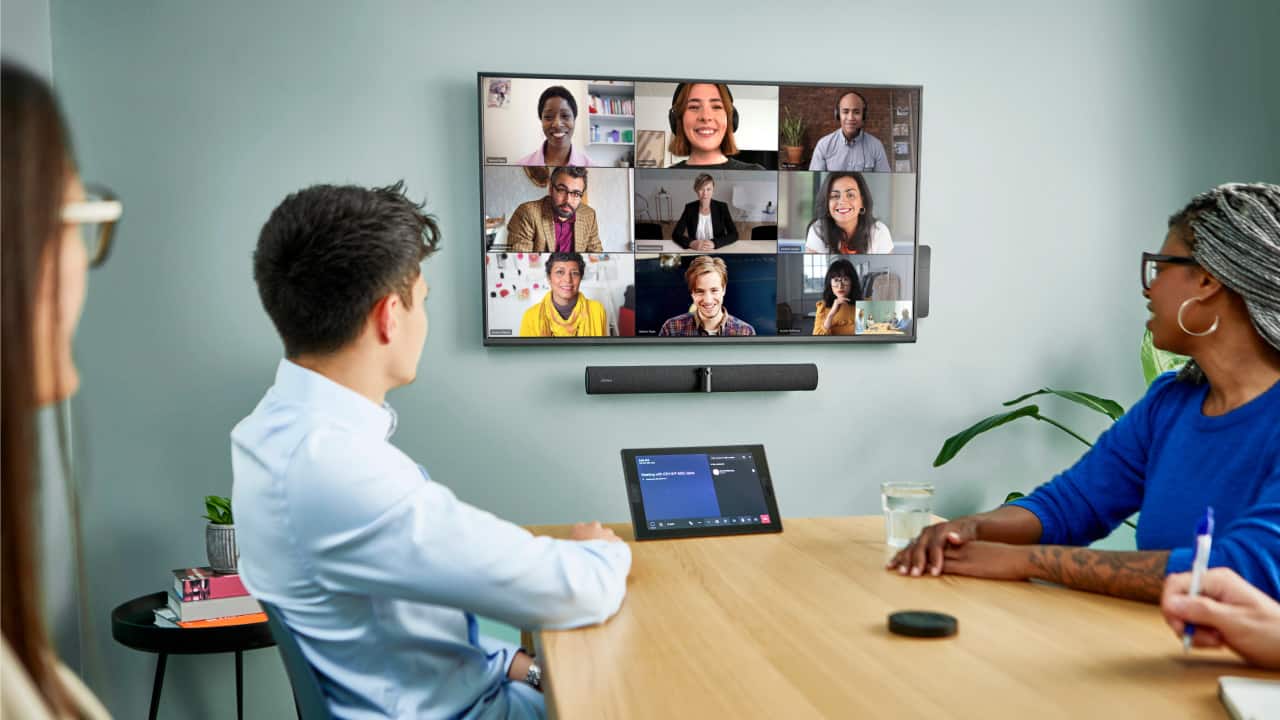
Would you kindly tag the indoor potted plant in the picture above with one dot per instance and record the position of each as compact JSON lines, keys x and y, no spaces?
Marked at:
{"x":791,"y":128}
{"x":1154,"y":362}
{"x":220,"y":534}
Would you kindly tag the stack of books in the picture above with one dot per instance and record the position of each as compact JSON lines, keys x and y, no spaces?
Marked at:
{"x":201,"y":598}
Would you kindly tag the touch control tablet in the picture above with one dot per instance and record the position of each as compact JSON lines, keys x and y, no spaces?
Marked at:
{"x":700,"y":491}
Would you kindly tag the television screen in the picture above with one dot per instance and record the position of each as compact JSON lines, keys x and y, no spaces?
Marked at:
{"x":641,"y":210}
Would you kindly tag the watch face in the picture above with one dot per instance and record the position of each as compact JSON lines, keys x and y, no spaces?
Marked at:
{"x":534,"y":676}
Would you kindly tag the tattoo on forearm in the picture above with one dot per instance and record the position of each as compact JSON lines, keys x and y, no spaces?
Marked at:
{"x":1133,"y":575}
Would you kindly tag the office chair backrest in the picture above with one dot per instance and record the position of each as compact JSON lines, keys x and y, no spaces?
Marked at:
{"x":307,"y":694}
{"x":764,"y":232}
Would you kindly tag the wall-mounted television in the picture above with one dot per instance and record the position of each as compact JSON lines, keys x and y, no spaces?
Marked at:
{"x":664,"y":210}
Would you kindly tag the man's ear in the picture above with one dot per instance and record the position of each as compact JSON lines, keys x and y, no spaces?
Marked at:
{"x":384,"y":317}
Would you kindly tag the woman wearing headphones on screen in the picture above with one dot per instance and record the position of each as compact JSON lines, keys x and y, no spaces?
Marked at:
{"x":703,"y":120}
{"x":839,"y":293}
{"x":43,"y":276}
{"x":1205,"y":436}
{"x":558,"y":112}
{"x":845,"y":223}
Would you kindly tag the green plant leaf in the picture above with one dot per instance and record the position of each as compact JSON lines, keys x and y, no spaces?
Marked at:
{"x":218,"y":510}
{"x":791,"y":127}
{"x":1013,"y":496}
{"x":1110,"y":408}
{"x":1156,"y":362}
{"x":954,"y":443}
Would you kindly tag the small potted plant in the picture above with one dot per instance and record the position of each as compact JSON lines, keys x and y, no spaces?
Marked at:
{"x":791,"y":128}
{"x":220,"y":534}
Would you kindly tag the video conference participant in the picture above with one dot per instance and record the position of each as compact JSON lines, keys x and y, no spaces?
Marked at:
{"x":378,"y":570}
{"x":559,"y":222}
{"x":1205,"y":436}
{"x":850,"y":147}
{"x":840,"y":290}
{"x":558,"y":112}
{"x":708,"y":281}
{"x":703,"y":121}
{"x":845,"y":221}
{"x":705,"y":224}
{"x":564,"y":311}
{"x":904,"y":323}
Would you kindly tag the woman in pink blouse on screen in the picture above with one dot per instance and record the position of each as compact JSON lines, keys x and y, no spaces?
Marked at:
{"x":558,"y":112}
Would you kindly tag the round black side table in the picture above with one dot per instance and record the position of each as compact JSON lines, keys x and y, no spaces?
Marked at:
{"x":133,"y":624}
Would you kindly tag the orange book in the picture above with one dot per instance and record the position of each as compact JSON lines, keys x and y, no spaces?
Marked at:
{"x":226,"y":621}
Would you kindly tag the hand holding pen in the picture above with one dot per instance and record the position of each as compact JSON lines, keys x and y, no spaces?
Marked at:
{"x":1204,"y":542}
{"x":1229,"y":611}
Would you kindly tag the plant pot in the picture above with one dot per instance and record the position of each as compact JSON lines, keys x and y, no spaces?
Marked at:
{"x":792,"y":154}
{"x":220,"y":544}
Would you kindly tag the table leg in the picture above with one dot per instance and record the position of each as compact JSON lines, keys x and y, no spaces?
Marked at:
{"x":155,"y":687}
{"x":239,"y":686}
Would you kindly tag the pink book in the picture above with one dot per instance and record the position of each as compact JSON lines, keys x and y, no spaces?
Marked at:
{"x":202,"y":583}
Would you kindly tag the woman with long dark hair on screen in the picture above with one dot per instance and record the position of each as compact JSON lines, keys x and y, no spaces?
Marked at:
{"x":844,"y":220}
{"x":703,"y":121}
{"x":43,"y":260}
{"x":840,"y":290}
{"x":706,"y":224}
{"x":1204,"y":437}
{"x":558,"y":112}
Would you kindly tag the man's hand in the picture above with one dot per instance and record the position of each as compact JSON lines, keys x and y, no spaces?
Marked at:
{"x":702,"y":245}
{"x":927,"y":552}
{"x":519,"y":669}
{"x":591,"y":531}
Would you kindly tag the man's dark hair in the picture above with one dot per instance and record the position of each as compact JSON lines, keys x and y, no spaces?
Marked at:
{"x":560,"y":92}
{"x":328,"y":253}
{"x":558,"y":257}
{"x":573,"y":172}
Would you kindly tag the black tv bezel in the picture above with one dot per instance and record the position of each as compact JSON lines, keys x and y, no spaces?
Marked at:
{"x":843,"y":340}
{"x":635,"y":500}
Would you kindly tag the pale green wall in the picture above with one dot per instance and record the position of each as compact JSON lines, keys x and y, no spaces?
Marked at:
{"x":1056,"y":140}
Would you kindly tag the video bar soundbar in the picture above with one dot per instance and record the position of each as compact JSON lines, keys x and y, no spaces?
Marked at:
{"x":630,"y":379}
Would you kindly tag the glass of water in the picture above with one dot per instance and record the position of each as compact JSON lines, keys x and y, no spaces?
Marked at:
{"x":908,"y":508}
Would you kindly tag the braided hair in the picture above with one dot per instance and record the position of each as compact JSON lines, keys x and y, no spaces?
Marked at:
{"x":1233,"y":231}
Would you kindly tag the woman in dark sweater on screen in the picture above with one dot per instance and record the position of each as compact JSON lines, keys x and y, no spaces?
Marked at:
{"x":705,"y":224}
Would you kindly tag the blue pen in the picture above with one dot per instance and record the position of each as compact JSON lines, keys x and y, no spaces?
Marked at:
{"x":1204,"y":540}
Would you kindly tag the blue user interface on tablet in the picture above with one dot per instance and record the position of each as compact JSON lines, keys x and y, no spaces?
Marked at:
{"x":701,"y":489}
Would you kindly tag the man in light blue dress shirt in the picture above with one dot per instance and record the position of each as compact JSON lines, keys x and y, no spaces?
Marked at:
{"x":378,"y":570}
{"x":850,"y":147}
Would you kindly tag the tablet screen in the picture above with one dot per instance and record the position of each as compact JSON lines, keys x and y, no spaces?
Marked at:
{"x":682,"y":492}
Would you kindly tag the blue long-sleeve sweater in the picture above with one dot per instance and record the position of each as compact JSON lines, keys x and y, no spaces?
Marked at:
{"x":1167,"y":459}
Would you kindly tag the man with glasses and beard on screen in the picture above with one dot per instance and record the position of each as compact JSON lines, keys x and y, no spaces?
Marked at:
{"x":560,"y":222}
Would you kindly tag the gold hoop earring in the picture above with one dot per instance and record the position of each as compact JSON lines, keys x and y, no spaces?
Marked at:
{"x":1182,"y":307}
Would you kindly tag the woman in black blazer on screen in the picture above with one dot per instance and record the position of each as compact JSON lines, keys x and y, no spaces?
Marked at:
{"x":705,"y":224}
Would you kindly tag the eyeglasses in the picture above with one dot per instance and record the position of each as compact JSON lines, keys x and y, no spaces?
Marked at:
{"x":841,"y":280}
{"x":1151,"y":265}
{"x":96,"y":217}
{"x":564,"y":190}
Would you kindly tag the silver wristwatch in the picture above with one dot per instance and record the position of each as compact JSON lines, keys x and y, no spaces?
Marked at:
{"x":534,"y":675}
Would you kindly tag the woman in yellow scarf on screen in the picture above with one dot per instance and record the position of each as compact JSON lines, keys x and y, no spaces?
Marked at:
{"x":563,"y":311}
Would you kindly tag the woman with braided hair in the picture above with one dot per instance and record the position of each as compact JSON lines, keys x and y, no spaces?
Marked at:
{"x":1206,"y":436}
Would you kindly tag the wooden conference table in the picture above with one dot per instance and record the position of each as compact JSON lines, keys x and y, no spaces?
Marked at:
{"x":794,"y":625}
